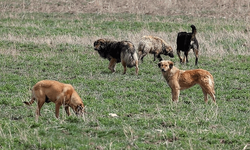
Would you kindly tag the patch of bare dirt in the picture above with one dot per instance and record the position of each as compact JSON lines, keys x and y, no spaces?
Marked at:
{"x":196,"y":8}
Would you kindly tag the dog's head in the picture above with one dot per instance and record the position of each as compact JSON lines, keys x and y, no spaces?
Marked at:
{"x":167,"y":50}
{"x":76,"y":104}
{"x":79,"y":110}
{"x":165,"y":65}
{"x":99,"y":44}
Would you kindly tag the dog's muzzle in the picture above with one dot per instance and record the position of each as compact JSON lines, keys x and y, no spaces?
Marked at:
{"x":163,"y":70}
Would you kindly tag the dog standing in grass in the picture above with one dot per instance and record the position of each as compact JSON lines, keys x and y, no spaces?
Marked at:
{"x":117,"y":51}
{"x":59,"y":93}
{"x":154,"y":45}
{"x":184,"y":79}
{"x":186,"y":42}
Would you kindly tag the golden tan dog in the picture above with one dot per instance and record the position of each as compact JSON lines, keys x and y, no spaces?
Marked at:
{"x":181,"y":80}
{"x":154,"y":45}
{"x":59,"y":93}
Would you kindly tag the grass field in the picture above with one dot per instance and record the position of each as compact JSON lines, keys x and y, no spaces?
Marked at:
{"x":37,"y":45}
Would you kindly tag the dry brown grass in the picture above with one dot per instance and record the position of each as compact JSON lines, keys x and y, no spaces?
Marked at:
{"x":198,"y":8}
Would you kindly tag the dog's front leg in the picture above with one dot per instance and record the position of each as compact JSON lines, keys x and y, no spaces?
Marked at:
{"x":179,"y":55}
{"x":159,"y":57}
{"x":142,"y":55}
{"x":57,"y":109}
{"x":112,"y":64}
{"x":67,"y":110}
{"x":136,"y":67}
{"x":175,"y":94}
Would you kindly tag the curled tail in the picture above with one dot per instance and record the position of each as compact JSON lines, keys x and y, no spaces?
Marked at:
{"x":194,"y":31}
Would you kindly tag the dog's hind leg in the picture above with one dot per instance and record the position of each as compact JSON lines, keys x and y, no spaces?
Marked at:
{"x":158,"y":57}
{"x":112,"y":64}
{"x":140,"y":55}
{"x":40,"y":102}
{"x":196,"y":53}
{"x":208,"y":91}
{"x":205,"y":95}
{"x":213,"y":97}
{"x":124,"y":66}
{"x":185,"y":56}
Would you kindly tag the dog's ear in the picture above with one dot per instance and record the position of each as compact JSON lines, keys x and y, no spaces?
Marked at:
{"x":103,"y":44}
{"x":171,"y":64}
{"x":159,"y":64}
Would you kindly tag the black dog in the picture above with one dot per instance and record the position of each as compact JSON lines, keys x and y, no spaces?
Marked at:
{"x":117,"y":51}
{"x":186,"y":42}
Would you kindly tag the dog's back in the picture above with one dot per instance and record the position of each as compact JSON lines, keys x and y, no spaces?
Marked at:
{"x":118,"y":49}
{"x":50,"y":88}
{"x":185,"y":40}
{"x":154,"y":45}
{"x":150,"y":44}
{"x":45,"y":89}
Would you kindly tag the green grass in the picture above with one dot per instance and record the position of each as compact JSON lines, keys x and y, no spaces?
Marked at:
{"x":147,"y":118}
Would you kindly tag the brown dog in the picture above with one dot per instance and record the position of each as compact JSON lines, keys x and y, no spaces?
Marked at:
{"x":154,"y":45}
{"x":181,"y":80}
{"x":59,"y":93}
{"x":117,"y":51}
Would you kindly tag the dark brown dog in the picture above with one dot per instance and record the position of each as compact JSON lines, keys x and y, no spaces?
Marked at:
{"x":181,"y":80}
{"x":115,"y":52}
{"x":186,"y":42}
{"x":59,"y":93}
{"x":154,"y":45}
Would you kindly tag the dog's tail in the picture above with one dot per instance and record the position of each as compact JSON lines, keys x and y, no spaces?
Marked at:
{"x":194,"y":30}
{"x":31,"y":101}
